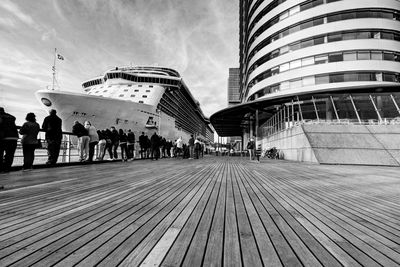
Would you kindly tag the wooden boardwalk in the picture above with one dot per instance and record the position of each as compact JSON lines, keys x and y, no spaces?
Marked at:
{"x":208,"y":212}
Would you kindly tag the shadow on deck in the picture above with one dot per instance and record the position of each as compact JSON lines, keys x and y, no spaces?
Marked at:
{"x":213,"y":211}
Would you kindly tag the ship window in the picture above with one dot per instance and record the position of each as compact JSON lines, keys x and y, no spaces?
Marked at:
{"x":109,"y":86}
{"x":129,"y":85}
{"x":96,"y":92}
{"x":147,"y":91}
{"x":140,"y":101}
{"x":125,"y":90}
{"x":136,"y":90}
{"x":150,"y":86}
{"x":132,"y":95}
{"x":105,"y":91}
{"x":140,"y":85}
{"x":121,"y":95}
{"x":144,"y":96}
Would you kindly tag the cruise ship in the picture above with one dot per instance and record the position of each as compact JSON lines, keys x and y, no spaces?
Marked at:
{"x":142,"y":98}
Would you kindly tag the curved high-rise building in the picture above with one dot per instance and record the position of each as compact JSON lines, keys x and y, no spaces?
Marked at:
{"x":319,"y":61}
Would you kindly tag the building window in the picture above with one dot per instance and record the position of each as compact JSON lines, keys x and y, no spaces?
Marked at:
{"x":295,"y":64}
{"x":376,"y":55}
{"x":349,"y":56}
{"x":307,"y":61}
{"x":335,"y":57}
{"x":284,"y":67}
{"x":363,"y":55}
{"x":310,"y":80}
{"x":321,"y":59}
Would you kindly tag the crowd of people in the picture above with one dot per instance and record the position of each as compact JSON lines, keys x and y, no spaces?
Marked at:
{"x":90,"y":141}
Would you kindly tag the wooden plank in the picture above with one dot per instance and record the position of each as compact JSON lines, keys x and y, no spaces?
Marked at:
{"x":213,"y":255}
{"x":267,"y":250}
{"x":232,"y":254}
{"x":248,"y":246}
{"x":345,"y":229}
{"x":157,"y":254}
{"x":59,"y":238}
{"x":145,"y":246}
{"x":195,"y":252}
{"x":177,"y":252}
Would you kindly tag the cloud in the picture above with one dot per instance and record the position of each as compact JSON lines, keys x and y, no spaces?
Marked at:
{"x":197,"y":38}
{"x":7,"y":22}
{"x":14,"y":9}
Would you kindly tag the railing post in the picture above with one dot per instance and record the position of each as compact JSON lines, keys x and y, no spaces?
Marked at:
{"x":68,"y":148}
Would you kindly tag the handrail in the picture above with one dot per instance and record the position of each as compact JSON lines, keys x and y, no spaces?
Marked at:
{"x":68,"y":149}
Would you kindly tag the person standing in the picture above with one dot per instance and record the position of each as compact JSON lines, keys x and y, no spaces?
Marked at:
{"x":101,"y":147}
{"x":155,"y":146}
{"x":107,"y":136}
{"x":93,"y":139}
{"x":179,"y":147}
{"x":123,"y":143}
{"x":83,"y":140}
{"x":191,"y":146}
{"x":197,"y":148}
{"x":8,"y":140}
{"x":251,"y":148}
{"x":131,"y":145}
{"x":115,"y":142}
{"x":142,"y":143}
{"x":29,"y":141}
{"x":52,"y":126}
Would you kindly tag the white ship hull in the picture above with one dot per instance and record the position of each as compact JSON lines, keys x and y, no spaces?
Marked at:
{"x":105,"y":112}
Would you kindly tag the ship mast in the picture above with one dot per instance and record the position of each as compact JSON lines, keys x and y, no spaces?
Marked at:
{"x":54,"y":68}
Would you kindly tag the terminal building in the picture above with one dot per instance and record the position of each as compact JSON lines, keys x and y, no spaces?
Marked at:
{"x":319,"y":80}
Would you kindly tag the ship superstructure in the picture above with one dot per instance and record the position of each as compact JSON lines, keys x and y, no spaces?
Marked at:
{"x":143,"y":99}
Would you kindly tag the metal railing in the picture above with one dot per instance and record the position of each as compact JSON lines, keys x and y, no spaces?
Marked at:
{"x":68,"y":150}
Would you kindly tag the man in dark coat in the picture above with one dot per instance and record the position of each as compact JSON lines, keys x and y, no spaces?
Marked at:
{"x":8,"y":140}
{"x":115,"y":141}
{"x":143,"y":145}
{"x":52,"y":126}
{"x":155,"y":146}
{"x":131,"y":144}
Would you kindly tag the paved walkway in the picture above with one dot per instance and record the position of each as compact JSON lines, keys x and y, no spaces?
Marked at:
{"x":213,"y":211}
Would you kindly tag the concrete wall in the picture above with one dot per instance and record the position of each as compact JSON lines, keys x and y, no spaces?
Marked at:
{"x":339,"y":144}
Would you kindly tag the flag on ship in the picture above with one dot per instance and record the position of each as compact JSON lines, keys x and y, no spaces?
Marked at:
{"x":60,"y":57}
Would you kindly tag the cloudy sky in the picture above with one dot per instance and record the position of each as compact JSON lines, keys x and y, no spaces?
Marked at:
{"x":198,"y":38}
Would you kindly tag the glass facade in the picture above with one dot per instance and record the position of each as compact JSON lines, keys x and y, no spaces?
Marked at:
{"x":361,"y":108}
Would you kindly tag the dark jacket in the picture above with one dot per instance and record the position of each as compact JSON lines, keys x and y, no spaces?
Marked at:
{"x":114,"y":136}
{"x":29,"y":131}
{"x":191,"y":141}
{"x":79,"y":130}
{"x":142,"y":141}
{"x":52,"y":126}
{"x":123,"y":138}
{"x":155,"y":141}
{"x":8,"y":129}
{"x":131,"y":138}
